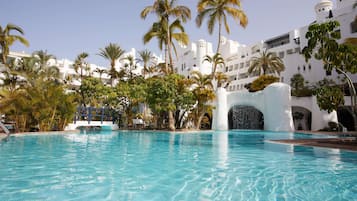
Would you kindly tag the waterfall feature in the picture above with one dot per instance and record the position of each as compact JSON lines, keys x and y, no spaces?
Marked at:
{"x":301,"y":118}
{"x":245,"y":117}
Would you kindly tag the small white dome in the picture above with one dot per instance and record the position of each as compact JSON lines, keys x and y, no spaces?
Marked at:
{"x":322,"y":5}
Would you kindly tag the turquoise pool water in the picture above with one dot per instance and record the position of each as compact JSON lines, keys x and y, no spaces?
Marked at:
{"x":234,"y":165}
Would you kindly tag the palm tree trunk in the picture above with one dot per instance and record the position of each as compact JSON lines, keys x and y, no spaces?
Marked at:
{"x":3,"y":58}
{"x":219,"y":36}
{"x":168,"y":41}
{"x":52,"y":117}
{"x":171,"y":121}
{"x":144,"y":73}
{"x":170,"y":59}
{"x":199,"y":120}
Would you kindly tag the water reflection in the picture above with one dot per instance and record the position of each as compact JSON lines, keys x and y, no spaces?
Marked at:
{"x":220,"y":140}
{"x":90,"y":137}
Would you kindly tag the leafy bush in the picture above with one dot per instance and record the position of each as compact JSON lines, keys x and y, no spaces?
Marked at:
{"x":261,"y":82}
{"x":304,"y":92}
{"x":298,"y":88}
{"x":329,"y":97}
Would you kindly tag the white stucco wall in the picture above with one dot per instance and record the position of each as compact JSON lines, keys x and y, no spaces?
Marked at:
{"x":319,"y":118}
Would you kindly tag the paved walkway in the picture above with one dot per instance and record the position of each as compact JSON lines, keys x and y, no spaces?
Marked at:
{"x":345,"y":140}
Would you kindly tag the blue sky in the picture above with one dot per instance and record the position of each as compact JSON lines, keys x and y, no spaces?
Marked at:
{"x":66,"y":28}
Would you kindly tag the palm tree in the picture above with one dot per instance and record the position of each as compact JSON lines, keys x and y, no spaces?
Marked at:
{"x":218,"y":11}
{"x":203,"y":92}
{"x":49,"y":72}
{"x":43,"y":57}
{"x":221,"y":79}
{"x":266,"y":63}
{"x":81,"y":64}
{"x":215,"y":60}
{"x":130,"y":65}
{"x":165,"y":9}
{"x":146,"y":58}
{"x":159,"y":31}
{"x":112,"y":52}
{"x":100,"y":71}
{"x":7,"y":39}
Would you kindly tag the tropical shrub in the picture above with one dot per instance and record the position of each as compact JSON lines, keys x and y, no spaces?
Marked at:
{"x":329,"y":98}
{"x":298,"y":88}
{"x":261,"y":82}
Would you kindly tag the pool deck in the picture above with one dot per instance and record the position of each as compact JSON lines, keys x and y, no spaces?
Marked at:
{"x":345,"y":140}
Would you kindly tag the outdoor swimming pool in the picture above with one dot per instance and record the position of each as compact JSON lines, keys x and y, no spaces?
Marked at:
{"x":232,"y":165}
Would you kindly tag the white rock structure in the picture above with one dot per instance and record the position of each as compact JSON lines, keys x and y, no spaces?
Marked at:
{"x":274,"y":102}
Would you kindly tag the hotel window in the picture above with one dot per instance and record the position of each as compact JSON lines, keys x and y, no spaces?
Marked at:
{"x":281,"y":55}
{"x":247,"y":63}
{"x":241,"y":65}
{"x":226,"y":68}
{"x":230,"y":67}
{"x":235,"y":66}
{"x":354,"y":26}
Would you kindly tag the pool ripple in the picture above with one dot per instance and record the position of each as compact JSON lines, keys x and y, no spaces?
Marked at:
{"x":176,"y":167}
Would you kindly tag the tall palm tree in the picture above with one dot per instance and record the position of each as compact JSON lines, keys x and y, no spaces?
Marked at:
{"x":159,"y":31}
{"x":145,"y":57}
{"x":7,"y":39}
{"x":81,"y":64}
{"x":217,"y":11}
{"x":266,"y":63}
{"x":112,"y":52}
{"x":165,"y":9}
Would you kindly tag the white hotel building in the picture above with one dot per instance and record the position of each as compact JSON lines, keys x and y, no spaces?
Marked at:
{"x":287,"y":46}
{"x":66,"y":67}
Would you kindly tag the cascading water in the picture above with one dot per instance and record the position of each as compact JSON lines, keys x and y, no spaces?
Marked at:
{"x":245,"y":117}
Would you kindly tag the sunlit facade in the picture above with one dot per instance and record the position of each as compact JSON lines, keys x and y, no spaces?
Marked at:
{"x":287,"y":46}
